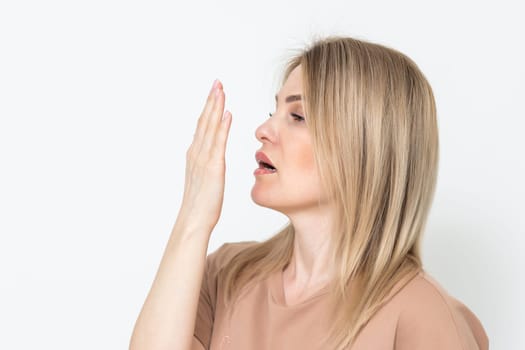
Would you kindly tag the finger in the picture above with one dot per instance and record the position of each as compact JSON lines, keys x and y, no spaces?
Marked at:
{"x":214,"y":121}
{"x":208,"y":106}
{"x":217,"y":112}
{"x":198,"y":136}
{"x":222,"y":136}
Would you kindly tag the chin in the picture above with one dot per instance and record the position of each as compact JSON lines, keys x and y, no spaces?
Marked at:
{"x":259,"y":197}
{"x":265,"y":198}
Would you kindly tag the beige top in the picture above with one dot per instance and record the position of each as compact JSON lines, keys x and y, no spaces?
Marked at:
{"x":421,"y":315}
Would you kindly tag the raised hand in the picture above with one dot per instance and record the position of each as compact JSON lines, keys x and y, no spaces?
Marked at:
{"x":205,"y":165}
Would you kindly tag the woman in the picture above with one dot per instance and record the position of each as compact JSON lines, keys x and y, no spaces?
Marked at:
{"x":350,"y":156}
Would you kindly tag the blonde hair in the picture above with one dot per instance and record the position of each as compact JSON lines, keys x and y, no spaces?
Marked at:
{"x":372,"y":119}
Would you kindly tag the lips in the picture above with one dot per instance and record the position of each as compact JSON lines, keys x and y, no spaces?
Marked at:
{"x":263,"y":160}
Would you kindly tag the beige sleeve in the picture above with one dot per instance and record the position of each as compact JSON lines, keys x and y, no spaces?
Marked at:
{"x":207,"y":300}
{"x":209,"y":290}
{"x":435,"y":321}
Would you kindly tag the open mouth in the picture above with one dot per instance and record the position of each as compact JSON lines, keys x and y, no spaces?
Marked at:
{"x":263,"y":165}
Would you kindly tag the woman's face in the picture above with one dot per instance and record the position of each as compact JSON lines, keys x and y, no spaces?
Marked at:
{"x":286,"y":142}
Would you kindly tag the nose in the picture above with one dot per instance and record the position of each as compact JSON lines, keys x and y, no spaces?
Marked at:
{"x":265,"y":131}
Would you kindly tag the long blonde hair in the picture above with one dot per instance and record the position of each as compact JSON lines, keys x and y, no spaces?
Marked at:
{"x":372,"y":119}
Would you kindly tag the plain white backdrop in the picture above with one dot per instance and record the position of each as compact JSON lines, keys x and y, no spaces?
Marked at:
{"x":99,"y":102}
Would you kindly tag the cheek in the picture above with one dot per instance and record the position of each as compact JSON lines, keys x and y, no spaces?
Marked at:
{"x":306,"y":161}
{"x":303,"y":181}
{"x":304,"y":157}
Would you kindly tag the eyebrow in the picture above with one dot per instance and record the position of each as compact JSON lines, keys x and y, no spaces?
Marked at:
{"x":290,"y":98}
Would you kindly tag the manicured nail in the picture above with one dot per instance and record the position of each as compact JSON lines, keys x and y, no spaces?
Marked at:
{"x":215,"y":82}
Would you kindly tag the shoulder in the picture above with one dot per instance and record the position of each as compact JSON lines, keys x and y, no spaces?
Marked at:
{"x":222,"y":255}
{"x":429,"y":316}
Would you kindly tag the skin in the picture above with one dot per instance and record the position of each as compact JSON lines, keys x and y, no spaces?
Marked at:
{"x":169,"y":313}
{"x":294,"y":190}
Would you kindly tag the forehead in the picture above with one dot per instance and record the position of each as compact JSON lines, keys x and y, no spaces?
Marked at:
{"x":294,"y":80}
{"x":292,"y":85}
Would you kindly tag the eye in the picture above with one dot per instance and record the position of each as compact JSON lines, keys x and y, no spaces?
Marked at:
{"x":295,"y":116}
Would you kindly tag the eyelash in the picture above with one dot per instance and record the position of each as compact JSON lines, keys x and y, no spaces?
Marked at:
{"x":295,"y":116}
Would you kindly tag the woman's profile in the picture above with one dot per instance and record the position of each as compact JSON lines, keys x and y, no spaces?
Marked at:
{"x":350,"y":156}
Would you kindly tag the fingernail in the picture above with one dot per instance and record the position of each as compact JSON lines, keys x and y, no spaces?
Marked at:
{"x":215,"y":82}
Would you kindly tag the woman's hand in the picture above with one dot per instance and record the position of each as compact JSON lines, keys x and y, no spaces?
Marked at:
{"x":205,"y":165}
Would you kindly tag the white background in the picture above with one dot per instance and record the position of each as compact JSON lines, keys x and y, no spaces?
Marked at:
{"x":98,"y":105}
